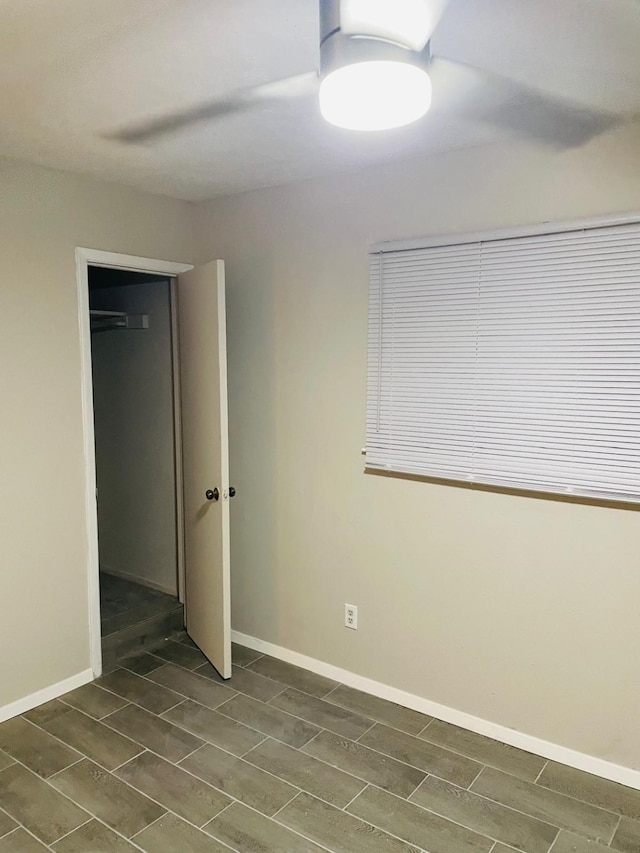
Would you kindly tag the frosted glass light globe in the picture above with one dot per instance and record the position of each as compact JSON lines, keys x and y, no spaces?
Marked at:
{"x":375,"y":95}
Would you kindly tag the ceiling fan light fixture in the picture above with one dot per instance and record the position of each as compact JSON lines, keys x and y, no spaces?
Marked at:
{"x":369,"y":79}
{"x":375,"y":95}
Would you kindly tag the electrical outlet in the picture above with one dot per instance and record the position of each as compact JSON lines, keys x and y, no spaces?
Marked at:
{"x":351,"y":616}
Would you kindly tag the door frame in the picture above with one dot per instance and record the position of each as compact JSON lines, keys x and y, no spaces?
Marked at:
{"x":167,"y":269}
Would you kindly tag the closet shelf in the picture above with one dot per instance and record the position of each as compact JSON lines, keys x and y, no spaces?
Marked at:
{"x":107,"y":321}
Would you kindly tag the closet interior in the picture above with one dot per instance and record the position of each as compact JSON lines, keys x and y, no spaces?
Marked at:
{"x":132,"y":350}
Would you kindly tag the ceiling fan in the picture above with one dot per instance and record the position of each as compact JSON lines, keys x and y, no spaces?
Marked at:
{"x":377,"y":72}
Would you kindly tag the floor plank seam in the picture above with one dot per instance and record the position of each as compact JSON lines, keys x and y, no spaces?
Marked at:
{"x":437,"y":815}
{"x":502,"y":805}
{"x":584,"y":802}
{"x":542,"y":769}
{"x":298,"y":833}
{"x":76,"y":829}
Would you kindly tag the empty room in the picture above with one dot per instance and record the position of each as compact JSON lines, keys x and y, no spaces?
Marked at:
{"x":321,"y":426}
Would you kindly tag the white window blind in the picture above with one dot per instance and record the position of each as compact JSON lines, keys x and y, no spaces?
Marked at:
{"x":511,"y":362}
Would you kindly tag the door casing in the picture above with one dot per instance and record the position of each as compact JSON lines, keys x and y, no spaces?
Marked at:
{"x":112,"y":260}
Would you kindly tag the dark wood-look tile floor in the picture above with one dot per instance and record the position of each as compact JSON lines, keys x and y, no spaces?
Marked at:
{"x":162,"y":756}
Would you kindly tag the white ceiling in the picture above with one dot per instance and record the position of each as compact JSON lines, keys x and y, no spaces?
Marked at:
{"x":72,"y":71}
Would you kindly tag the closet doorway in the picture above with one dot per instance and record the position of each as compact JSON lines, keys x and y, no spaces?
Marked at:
{"x":201,"y":442}
{"x":136,"y":411}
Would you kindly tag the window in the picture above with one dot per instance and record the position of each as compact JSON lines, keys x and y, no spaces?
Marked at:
{"x":509,"y":360}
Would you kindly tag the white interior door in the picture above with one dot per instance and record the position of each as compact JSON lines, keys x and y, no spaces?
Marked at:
{"x":205,"y":442}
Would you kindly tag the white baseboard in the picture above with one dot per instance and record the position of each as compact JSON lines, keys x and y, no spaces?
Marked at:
{"x":546,"y":749}
{"x":159,"y":587}
{"x":45,"y":695}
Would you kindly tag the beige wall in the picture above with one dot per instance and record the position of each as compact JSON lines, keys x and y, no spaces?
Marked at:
{"x":522,"y":611}
{"x":44,"y":215}
{"x":135,"y":445}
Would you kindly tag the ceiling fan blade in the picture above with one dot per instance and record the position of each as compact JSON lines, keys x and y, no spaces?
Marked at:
{"x":523,"y":111}
{"x":408,"y":22}
{"x":300,"y":86}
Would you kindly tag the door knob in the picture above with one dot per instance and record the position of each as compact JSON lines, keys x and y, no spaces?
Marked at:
{"x":232,"y":491}
{"x":212,"y":494}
